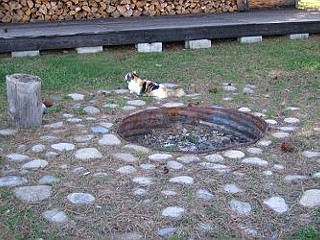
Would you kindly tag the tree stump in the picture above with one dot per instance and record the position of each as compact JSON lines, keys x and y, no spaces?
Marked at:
{"x":24,"y":100}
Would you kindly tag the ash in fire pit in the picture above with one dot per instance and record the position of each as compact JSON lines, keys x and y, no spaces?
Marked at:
{"x":192,"y":129}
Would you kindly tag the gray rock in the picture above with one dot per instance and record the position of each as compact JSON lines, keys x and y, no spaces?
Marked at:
{"x":160,"y":156}
{"x":311,"y":154}
{"x":271,"y":121}
{"x":63,"y":146}
{"x":277,"y":204}
{"x":173,"y":104}
{"x":205,"y":195}
{"x":37,"y":163}
{"x":84,"y":138}
{"x":33,"y":194}
{"x":111,"y":105}
{"x":265,"y":143}
{"x":310,"y":198}
{"x":291,"y":120}
{"x":173,"y":212}
{"x":109,"y":139}
{"x":188,"y":158}
{"x":234,"y":154}
{"x":174,"y":165}
{"x":221,"y":168}
{"x":244,"y":109}
{"x":242,"y":208}
{"x":56,"y":125}
{"x":182,"y":180}
{"x":11,"y":181}
{"x":255,"y":161}
{"x":7,"y":132}
{"x":214,"y":158}
{"x":280,"y":135}
{"x":137,"y":148}
{"x":80,"y":198}
{"x":147,"y":166}
{"x":100,"y":130}
{"x":126,"y":157}
{"x":140,"y":192}
{"x":48,"y":138}
{"x":143,"y":180}
{"x":51,"y":155}
{"x":232,"y":188}
{"x":88,"y":154}
{"x":166,"y":232}
{"x":126,"y":169}
{"x":254,"y":150}
{"x":294,"y":178}
{"x":17,"y":157}
{"x":136,"y":102}
{"x":76,"y":96}
{"x":169,"y":193}
{"x":48,"y":180}
{"x":38,"y":148}
{"x":129,"y":108}
{"x":55,"y":216}
{"x":91,"y":110}
{"x":129,"y":236}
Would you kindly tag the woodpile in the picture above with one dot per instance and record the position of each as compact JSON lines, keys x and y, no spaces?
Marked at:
{"x":270,"y":3}
{"x":51,"y":10}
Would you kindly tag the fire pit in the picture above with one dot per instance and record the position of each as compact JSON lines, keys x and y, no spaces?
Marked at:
{"x":192,"y":129}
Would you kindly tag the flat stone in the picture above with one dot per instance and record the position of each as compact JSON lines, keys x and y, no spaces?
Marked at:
{"x":310,"y":198}
{"x":109,"y":139}
{"x":91,"y":110}
{"x":56,"y":125}
{"x":147,"y":166}
{"x":188,"y":158}
{"x":259,"y":114}
{"x":291,"y":120}
{"x":140,"y":192}
{"x":239,"y":207}
{"x":229,"y":87}
{"x":288,"y":129}
{"x":278,"y":166}
{"x":129,"y":108}
{"x":265,"y":143}
{"x":316,"y":175}
{"x":198,"y":44}
{"x":17,"y":157}
{"x":56,"y":216}
{"x":11,"y":181}
{"x":137,"y":148}
{"x":88,"y":154}
{"x":255,"y":161}
{"x":166,"y":232}
{"x":67,"y":115}
{"x":37,"y":163}
{"x":182,"y":180}
{"x":249,"y":231}
{"x":63,"y":146}
{"x":214,"y":158}
{"x":126,"y":157}
{"x":232,"y":188}
{"x":76,"y":96}
{"x":159,"y":157}
{"x":294,"y":178}
{"x":99,"y":129}
{"x":121,"y":91}
{"x":299,"y":36}
{"x":87,"y":50}
{"x":34,"y":53}
{"x":38,"y":148}
{"x":129,"y":236}
{"x":311,"y":154}
{"x":244,"y":109}
{"x":174,"y":165}
{"x":106,"y":124}
{"x":48,"y":138}
{"x":137,"y":103}
{"x":48,"y":180}
{"x":292,"y":108}
{"x":80,"y":198}
{"x":111,"y":105}
{"x":126,"y":169}
{"x":205,"y":227}
{"x":74,"y":120}
{"x":169,"y":193}
{"x":7,"y":132}
{"x":171,"y":85}
{"x":271,"y":121}
{"x":84,"y":138}
{"x":248,"y":90}
{"x":234,"y":154}
{"x":51,"y":155}
{"x":250,"y":39}
{"x":280,"y":135}
{"x":204,"y":194}
{"x":173,"y":212}
{"x":33,"y":194}
{"x":267,"y":173}
{"x":173,"y":104}
{"x":254,"y":150}
{"x":221,"y":168}
{"x":149,"y":47}
{"x":143,"y":181}
{"x":277,"y":204}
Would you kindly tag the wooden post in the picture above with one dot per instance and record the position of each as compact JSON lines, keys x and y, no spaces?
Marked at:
{"x":24,"y":100}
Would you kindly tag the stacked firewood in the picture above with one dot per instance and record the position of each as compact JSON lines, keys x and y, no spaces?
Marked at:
{"x":50,"y":10}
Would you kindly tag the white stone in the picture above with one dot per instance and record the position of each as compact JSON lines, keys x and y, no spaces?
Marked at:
{"x":51,"y":155}
{"x":254,"y":150}
{"x":259,"y":114}
{"x":48,"y":138}
{"x":173,"y":212}
{"x":267,"y":173}
{"x":250,"y":39}
{"x":55,"y":216}
{"x":84,"y":138}
{"x":129,"y":108}
{"x":280,"y":135}
{"x":17,"y":157}
{"x":37,"y":163}
{"x":121,"y":91}
{"x":217,"y":167}
{"x":38,"y":148}
{"x":48,"y":180}
{"x":287,"y":129}
{"x":143,"y":180}
{"x":168,"y":193}
{"x":214,"y":158}
{"x":80,"y":198}
{"x":255,"y":161}
{"x":136,"y":103}
{"x":140,"y":192}
{"x":234,"y":154}
{"x":242,"y":208}
{"x":244,"y":109}
{"x":182,"y":180}
{"x":147,"y":166}
{"x":205,"y":228}
{"x":198,"y":44}
{"x":166,"y":232}
{"x":292,"y":108}
{"x":126,"y":169}
{"x":67,"y":115}
{"x":271,"y":121}
{"x":171,"y":85}
{"x":278,"y":166}
{"x":232,"y":188}
{"x":88,"y":154}
{"x":188,"y":158}
{"x":248,"y":90}
{"x":174,"y":165}
{"x":86,"y":50}
{"x":310,"y":198}
{"x":149,"y":47}
{"x":7,"y":132}
{"x":111,"y":105}
{"x":311,"y":154}
{"x":74,"y":120}
{"x":109,"y":139}
{"x":137,"y":148}
{"x":299,"y":36}
{"x":265,"y":143}
{"x":56,"y":125}
{"x":160,"y":156}
{"x":316,"y":175}
{"x":11,"y":181}
{"x":173,"y":104}
{"x":106,"y":124}
{"x":34,"y":53}
{"x":294,"y":178}
{"x":291,"y":120}
{"x":33,"y":194}
{"x":229,"y":87}
{"x":63,"y":146}
{"x":91,"y":110}
{"x":277,"y":204}
{"x":205,"y":195}
{"x":76,"y":96}
{"x":126,"y":157}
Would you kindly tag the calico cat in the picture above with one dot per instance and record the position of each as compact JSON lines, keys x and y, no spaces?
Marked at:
{"x":149,"y":88}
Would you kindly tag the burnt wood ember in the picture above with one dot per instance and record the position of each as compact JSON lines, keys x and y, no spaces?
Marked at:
{"x":192,"y":129}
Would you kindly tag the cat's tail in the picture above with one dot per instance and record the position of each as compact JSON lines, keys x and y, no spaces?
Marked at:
{"x":178,"y":92}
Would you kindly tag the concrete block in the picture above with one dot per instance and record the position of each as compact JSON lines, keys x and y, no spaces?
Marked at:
{"x":197,"y":44}
{"x":25,"y":53}
{"x":85,"y":50}
{"x":299,"y":36}
{"x":250,"y":39}
{"x":149,"y":47}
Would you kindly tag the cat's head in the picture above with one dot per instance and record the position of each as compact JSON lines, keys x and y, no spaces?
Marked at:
{"x":131,"y":76}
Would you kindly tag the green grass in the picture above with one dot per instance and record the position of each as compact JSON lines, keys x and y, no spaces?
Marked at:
{"x":307,"y":233}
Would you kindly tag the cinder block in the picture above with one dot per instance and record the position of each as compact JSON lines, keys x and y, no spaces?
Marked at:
{"x":149,"y":47}
{"x":299,"y":36}
{"x":25,"y":53}
{"x":197,"y":44}
{"x":85,"y":50}
{"x":250,"y":39}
